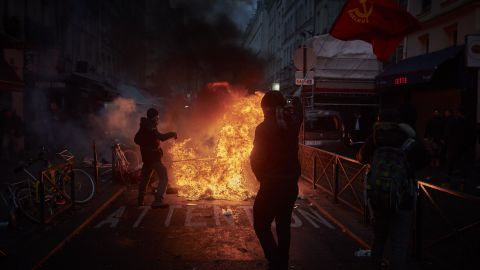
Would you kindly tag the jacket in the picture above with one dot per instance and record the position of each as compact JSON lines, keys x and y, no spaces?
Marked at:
{"x":274,"y":157}
{"x":148,"y":138}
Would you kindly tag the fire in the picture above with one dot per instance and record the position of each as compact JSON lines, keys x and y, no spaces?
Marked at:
{"x":220,"y":170}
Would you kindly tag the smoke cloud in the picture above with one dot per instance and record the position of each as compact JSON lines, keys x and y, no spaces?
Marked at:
{"x":202,"y":44}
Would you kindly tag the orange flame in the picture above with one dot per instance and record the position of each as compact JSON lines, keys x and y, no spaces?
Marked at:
{"x":220,"y":170}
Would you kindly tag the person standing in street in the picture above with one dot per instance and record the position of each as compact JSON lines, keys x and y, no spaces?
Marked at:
{"x":274,"y":161}
{"x":394,"y":153}
{"x":148,"y":138}
{"x":434,"y":137}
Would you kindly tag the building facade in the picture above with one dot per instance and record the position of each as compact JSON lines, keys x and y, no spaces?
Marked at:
{"x":444,"y":24}
{"x":434,"y":74}
{"x":70,"y":56}
{"x":280,"y":27}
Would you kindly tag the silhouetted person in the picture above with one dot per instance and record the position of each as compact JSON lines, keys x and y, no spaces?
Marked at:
{"x":434,"y":134}
{"x":10,"y":126}
{"x":148,"y":138}
{"x":408,"y":111}
{"x":274,"y":161}
{"x":456,"y":143}
{"x":394,"y":154}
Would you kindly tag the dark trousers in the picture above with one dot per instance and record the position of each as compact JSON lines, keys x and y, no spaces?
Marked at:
{"x":271,"y":204}
{"x":396,"y":228}
{"x":147,"y":171}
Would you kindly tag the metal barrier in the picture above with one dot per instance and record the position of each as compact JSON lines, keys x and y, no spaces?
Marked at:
{"x":447,"y":223}
{"x":447,"y":229}
{"x":339,"y":176}
{"x":52,"y":180}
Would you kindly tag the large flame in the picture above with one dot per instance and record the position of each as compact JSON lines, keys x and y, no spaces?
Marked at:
{"x":220,"y":170}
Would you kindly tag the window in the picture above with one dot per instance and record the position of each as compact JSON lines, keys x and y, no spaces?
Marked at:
{"x":452,"y":33}
{"x":425,"y":42}
{"x":426,"y":5}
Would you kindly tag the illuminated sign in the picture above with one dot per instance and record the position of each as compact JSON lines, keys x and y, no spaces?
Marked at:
{"x":400,"y":80}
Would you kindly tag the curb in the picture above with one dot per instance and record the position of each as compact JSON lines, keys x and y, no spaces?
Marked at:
{"x":340,"y":225}
{"x":75,"y":232}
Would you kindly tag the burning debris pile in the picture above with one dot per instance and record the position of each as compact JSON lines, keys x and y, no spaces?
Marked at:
{"x":219,"y":167}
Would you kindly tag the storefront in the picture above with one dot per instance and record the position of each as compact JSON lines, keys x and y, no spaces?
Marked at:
{"x":434,"y":81}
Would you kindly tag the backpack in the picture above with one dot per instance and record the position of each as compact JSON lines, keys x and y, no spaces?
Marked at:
{"x":389,"y":183}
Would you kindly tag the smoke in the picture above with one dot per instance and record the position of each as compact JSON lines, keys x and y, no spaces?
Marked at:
{"x":56,"y":125}
{"x":240,"y":11}
{"x":203,"y":44}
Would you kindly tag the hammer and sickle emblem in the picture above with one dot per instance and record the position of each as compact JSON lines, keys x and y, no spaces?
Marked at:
{"x":365,"y":13}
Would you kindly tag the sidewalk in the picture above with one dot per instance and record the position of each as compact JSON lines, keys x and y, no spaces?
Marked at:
{"x":345,"y":219}
{"x":349,"y":221}
{"x":28,"y":246}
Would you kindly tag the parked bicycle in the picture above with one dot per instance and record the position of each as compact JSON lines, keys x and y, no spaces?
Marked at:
{"x":126,"y":165}
{"x":56,"y":189}
{"x":84,"y":183}
{"x":9,"y":204}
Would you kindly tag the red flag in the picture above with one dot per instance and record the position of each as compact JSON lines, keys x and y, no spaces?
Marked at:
{"x":383,"y":23}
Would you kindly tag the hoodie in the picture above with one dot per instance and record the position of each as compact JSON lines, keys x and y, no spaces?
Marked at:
{"x":148,"y":138}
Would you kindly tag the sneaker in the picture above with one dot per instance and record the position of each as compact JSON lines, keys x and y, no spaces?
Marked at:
{"x":159,"y":204}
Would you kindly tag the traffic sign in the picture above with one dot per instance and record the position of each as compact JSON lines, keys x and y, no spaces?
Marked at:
{"x":301,"y":80}
{"x":308,"y":56}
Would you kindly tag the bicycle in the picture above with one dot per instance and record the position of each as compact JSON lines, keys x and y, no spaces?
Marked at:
{"x":41,"y":199}
{"x":128,"y":172}
{"x":84,"y":183}
{"x":56,"y":189}
{"x":8,"y":198}
{"x":126,"y":160}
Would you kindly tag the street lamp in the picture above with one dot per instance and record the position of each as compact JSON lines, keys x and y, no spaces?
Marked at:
{"x":276,"y":86}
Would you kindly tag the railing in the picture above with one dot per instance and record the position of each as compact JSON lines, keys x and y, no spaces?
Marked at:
{"x":339,"y":176}
{"x":49,"y":183}
{"x":447,"y":223}
{"x":447,"y":229}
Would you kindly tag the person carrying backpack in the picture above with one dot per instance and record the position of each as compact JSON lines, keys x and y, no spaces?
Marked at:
{"x":394,"y":153}
{"x":148,"y":138}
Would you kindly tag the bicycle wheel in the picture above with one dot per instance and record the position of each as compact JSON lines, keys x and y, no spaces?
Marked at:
{"x":84,"y":186}
{"x":25,"y":198}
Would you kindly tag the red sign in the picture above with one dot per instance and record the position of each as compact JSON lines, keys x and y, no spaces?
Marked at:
{"x":400,"y":80}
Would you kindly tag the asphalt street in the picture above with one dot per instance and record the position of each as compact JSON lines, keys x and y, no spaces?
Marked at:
{"x":199,"y":235}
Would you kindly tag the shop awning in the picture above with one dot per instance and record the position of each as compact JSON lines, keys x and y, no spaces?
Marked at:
{"x":95,"y":87}
{"x":436,"y":67}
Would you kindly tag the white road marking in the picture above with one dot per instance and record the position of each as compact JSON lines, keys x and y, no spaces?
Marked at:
{"x":170,"y":214}
{"x":296,"y":221}
{"x":142,"y":215}
{"x":249,"y":212}
{"x":315,"y":217}
{"x":190,"y":215}
{"x":113,"y":218}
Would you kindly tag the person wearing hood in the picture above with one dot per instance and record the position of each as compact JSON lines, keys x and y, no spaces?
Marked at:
{"x":148,"y":138}
{"x":392,"y":132}
{"x":274,"y":161}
